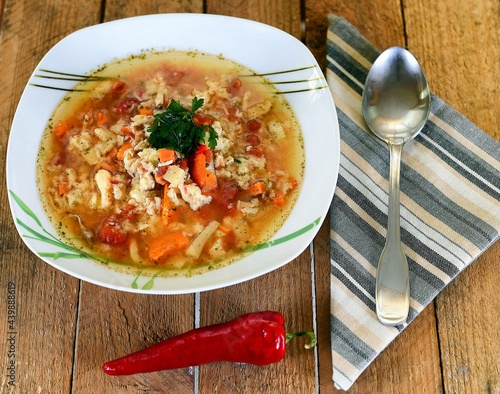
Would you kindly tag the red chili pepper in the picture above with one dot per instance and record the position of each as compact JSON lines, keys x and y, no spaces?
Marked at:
{"x":256,"y":338}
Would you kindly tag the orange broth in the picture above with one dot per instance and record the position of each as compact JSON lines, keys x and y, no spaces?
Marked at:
{"x":107,"y":191}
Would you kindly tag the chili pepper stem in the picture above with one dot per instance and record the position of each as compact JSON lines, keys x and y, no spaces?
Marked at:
{"x":312,"y":338}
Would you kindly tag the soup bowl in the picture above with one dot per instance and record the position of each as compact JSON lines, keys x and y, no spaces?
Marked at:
{"x":268,"y":51}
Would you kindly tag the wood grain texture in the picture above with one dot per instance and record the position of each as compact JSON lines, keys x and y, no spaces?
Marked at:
{"x":468,"y":320}
{"x":46,"y":299}
{"x":322,"y":292}
{"x":465,"y":47}
{"x":118,"y":9}
{"x":427,"y":37}
{"x":113,"y":324}
{"x":283,"y":14}
{"x":382,"y":25}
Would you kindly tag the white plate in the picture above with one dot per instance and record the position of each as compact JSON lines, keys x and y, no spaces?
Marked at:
{"x":259,"y":47}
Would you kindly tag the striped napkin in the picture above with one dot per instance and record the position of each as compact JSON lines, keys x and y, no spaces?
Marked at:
{"x":450,"y":210}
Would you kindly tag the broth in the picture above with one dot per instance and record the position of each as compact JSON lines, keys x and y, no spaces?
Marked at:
{"x":112,"y":193}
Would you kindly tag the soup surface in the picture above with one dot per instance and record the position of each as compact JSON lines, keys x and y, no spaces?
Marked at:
{"x":181,"y":161}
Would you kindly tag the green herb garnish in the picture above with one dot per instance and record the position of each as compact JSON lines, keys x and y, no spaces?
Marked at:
{"x":175,"y":129}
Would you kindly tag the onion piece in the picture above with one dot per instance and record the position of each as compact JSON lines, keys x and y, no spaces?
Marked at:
{"x":194,"y":250}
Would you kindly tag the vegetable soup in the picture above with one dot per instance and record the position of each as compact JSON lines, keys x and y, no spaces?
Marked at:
{"x":172,"y":161}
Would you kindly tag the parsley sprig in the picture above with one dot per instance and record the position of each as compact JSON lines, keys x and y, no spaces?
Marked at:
{"x":175,"y":129}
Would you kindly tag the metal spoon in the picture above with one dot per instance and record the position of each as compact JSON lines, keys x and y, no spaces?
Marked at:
{"x":396,"y":102}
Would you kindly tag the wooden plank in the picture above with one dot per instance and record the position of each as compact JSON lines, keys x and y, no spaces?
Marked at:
{"x":113,"y":324}
{"x":464,"y":46}
{"x":283,"y":14}
{"x":118,"y":9}
{"x":469,"y":330}
{"x":322,"y":279}
{"x":130,"y":322}
{"x":410,"y":364}
{"x":45,"y":332}
{"x":379,"y":21}
{"x":400,"y":368}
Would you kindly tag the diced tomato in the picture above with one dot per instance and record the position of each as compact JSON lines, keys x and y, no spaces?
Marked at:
{"x":234,"y":87}
{"x":62,"y":128}
{"x":253,"y":139}
{"x":202,"y":148}
{"x":253,"y":125}
{"x":202,"y":120}
{"x":229,"y":241}
{"x":224,"y":201}
{"x":232,"y":113}
{"x":236,"y":83}
{"x":183,"y":163}
{"x":226,"y":197}
{"x":102,"y":118}
{"x":119,"y":87}
{"x":173,"y":76}
{"x":63,"y":188}
{"x":128,"y":212}
{"x":111,"y":233}
{"x":255,"y":151}
{"x":126,"y":105}
{"x":58,"y":159}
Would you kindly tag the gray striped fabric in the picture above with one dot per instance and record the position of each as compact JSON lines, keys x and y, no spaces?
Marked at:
{"x":450,"y":210}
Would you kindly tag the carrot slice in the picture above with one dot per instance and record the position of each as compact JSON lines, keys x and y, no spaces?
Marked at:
{"x":121,"y":152}
{"x":62,"y":128}
{"x":62,"y":188}
{"x":206,"y":180}
{"x":257,"y":188}
{"x":145,"y":111}
{"x":224,"y":229}
{"x":165,"y":155}
{"x":127,"y":131}
{"x":167,"y":244}
{"x":102,"y":118}
{"x":104,"y":166}
{"x":279,"y":200}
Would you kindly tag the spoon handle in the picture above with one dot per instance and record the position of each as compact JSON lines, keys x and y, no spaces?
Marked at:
{"x":392,"y":289}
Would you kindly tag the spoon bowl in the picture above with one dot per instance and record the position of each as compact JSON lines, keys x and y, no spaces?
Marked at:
{"x":395,"y":104}
{"x":396,"y":97}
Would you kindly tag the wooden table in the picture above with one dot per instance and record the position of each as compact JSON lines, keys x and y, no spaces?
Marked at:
{"x":65,"y":328}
